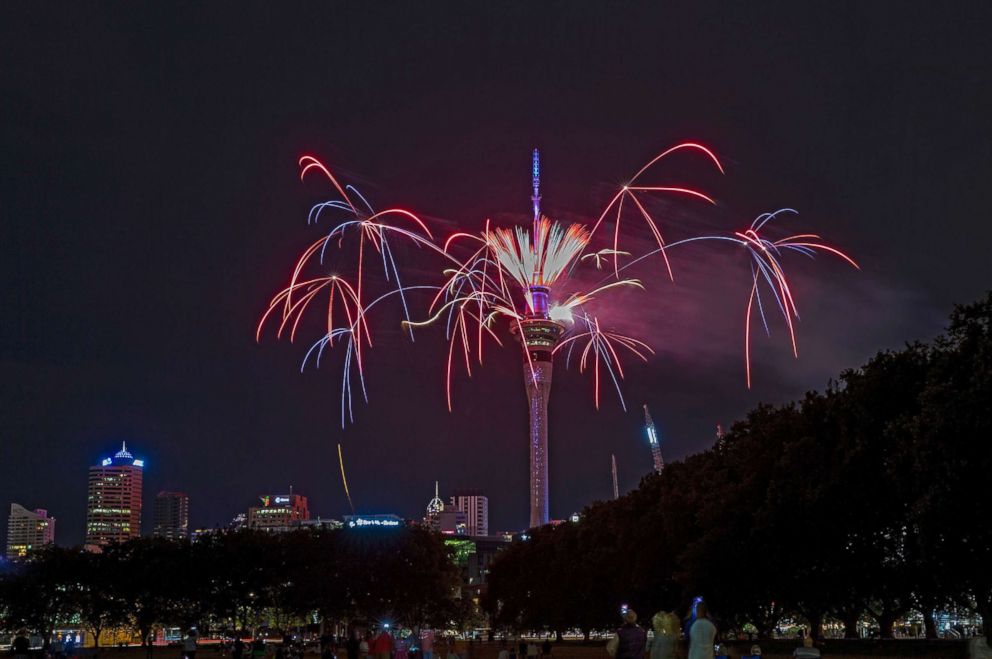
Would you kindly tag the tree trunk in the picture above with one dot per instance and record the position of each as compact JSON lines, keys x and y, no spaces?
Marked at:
{"x":558,"y":636}
{"x":815,"y":625}
{"x":886,"y":620}
{"x":850,"y":621}
{"x":96,"y":638}
{"x":929,"y":624}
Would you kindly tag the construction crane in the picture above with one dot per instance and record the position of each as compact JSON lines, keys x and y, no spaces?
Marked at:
{"x":659,"y":462}
{"x":616,"y":488}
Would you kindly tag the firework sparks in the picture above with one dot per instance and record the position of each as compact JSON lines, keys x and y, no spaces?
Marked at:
{"x":508,"y":274}
{"x":511,"y":277}
{"x":601,"y":345}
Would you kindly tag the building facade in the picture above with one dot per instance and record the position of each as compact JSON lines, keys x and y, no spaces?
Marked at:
{"x":113,"y":500}
{"x":170,"y":516}
{"x":475,"y":507}
{"x":28,"y":531}
{"x":278,"y":512}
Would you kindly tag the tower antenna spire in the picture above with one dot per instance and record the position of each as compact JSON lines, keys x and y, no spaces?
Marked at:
{"x":535,"y":171}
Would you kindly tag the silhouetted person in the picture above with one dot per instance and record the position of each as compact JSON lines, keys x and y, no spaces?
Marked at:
{"x":629,"y":640}
{"x":702,"y":634}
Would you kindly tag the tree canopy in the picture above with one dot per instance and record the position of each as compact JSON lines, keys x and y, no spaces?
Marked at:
{"x":869,"y":498}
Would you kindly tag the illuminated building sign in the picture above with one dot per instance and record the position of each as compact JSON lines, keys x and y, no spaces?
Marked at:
{"x":106,"y":462}
{"x":139,"y":463}
{"x":372,"y":521}
{"x":282,"y":499}
{"x":653,"y":438}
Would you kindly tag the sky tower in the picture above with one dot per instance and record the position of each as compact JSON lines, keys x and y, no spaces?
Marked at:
{"x":659,"y":463}
{"x":540,"y":335}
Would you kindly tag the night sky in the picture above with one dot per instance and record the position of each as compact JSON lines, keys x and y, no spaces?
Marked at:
{"x":151,"y":206}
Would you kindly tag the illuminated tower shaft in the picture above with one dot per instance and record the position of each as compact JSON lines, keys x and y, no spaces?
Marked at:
{"x":659,"y":463}
{"x":539,"y":335}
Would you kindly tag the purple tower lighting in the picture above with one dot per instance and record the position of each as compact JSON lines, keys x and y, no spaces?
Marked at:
{"x":539,"y":335}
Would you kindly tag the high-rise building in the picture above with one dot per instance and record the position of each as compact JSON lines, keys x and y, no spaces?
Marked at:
{"x":434,"y":508}
{"x":113,"y":501}
{"x":278,"y":512}
{"x":475,"y":506}
{"x":170,"y":516}
{"x":28,"y":531}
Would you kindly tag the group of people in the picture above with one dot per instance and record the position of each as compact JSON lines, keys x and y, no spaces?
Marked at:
{"x":525,"y":650}
{"x":387,"y":645}
{"x":630,"y":640}
{"x":28,"y":646}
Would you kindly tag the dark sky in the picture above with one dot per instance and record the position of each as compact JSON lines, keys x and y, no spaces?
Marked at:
{"x":151,"y":206}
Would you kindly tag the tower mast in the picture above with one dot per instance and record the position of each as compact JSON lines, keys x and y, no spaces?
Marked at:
{"x":539,"y":335}
{"x":659,"y":462}
{"x":535,"y":171}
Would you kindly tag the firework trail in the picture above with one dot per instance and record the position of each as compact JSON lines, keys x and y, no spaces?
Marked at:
{"x":766,"y":272}
{"x":344,"y":479}
{"x":507,"y":275}
{"x":512,"y":277}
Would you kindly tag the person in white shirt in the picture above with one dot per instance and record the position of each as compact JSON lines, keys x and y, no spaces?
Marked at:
{"x":702,"y":634}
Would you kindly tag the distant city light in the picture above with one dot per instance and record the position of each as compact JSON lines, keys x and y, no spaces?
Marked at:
{"x":372,"y":522}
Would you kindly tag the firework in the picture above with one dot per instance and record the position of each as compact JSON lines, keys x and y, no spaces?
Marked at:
{"x":506,"y":277}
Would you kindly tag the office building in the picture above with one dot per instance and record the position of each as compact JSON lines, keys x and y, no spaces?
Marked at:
{"x":28,"y":531}
{"x":278,"y":512}
{"x":113,"y":500}
{"x":170,"y":516}
{"x":475,"y":506}
{"x":450,"y":521}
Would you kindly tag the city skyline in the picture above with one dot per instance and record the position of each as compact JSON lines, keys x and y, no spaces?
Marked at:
{"x":149,"y":218}
{"x":167,"y":513}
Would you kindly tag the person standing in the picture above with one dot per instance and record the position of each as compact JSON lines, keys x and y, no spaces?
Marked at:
{"x":353,"y":645}
{"x":20,"y":647}
{"x":807,"y":651}
{"x":702,"y":634}
{"x":382,"y":646}
{"x":238,"y":649}
{"x":666,"y":633}
{"x":546,"y":648}
{"x":69,"y":646}
{"x":629,"y":640}
{"x":427,"y":643}
{"x":189,"y":645}
{"x":402,"y":648}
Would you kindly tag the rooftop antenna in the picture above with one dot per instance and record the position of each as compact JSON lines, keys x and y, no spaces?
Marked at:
{"x":616,"y":489}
